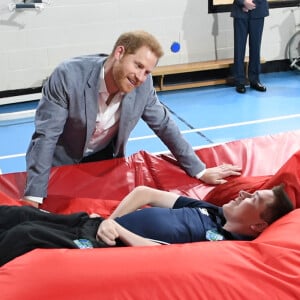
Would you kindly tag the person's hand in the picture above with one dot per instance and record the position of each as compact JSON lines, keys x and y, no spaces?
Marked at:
{"x":217,"y":174}
{"x":108,"y":232}
{"x":249,"y":5}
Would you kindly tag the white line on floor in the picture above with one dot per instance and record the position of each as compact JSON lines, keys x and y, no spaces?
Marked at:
{"x":223,"y":126}
{"x":193,"y":130}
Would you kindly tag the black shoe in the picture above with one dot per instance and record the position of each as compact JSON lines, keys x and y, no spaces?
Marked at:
{"x":258,"y":86}
{"x":240,"y":88}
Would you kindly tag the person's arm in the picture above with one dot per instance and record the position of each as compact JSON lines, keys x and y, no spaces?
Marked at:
{"x":50,"y":119}
{"x":109,"y":230}
{"x":142,"y":196}
{"x":159,"y":120}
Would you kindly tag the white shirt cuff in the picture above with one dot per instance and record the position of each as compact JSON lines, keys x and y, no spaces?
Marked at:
{"x":200,"y":174}
{"x":34,"y":199}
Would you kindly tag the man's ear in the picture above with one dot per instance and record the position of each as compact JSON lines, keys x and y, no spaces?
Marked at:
{"x":119,"y":52}
{"x":259,"y":227}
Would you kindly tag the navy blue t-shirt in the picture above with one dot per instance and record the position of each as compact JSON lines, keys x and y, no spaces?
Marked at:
{"x":188,"y":221}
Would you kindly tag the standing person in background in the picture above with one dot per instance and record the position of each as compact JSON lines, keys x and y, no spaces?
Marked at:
{"x":248,"y":20}
{"x":90,"y":105}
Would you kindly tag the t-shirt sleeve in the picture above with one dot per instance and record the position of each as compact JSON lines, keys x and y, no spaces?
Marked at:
{"x":187,"y":202}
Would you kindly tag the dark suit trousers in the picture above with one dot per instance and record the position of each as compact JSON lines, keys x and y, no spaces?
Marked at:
{"x":24,"y":228}
{"x":244,"y":28}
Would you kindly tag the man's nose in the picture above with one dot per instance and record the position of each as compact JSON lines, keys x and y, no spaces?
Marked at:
{"x":140,"y":75}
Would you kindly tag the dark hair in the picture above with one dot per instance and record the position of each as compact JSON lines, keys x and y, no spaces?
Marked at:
{"x":281,"y":205}
{"x":134,"y":40}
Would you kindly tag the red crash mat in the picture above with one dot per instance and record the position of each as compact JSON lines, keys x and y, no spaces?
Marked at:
{"x":266,"y":268}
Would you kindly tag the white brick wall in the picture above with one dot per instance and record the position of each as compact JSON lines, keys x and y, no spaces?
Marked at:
{"x":32,"y":43}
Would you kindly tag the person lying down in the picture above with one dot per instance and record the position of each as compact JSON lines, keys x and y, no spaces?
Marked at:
{"x":145,"y":217}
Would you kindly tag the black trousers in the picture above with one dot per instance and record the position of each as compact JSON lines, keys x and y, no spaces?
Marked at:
{"x":24,"y":228}
{"x":244,"y":28}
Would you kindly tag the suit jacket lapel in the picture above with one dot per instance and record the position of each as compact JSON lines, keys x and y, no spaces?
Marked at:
{"x":128,"y":107}
{"x":91,"y":93}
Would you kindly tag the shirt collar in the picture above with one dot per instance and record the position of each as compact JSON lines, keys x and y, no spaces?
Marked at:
{"x":102,"y":88}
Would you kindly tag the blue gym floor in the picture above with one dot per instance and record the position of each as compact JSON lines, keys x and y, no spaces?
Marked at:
{"x":206,"y":116}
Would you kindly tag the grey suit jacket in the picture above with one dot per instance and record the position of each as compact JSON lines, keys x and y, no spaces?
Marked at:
{"x":66,"y":118}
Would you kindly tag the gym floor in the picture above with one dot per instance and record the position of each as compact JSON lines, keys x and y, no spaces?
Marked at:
{"x":206,"y":116}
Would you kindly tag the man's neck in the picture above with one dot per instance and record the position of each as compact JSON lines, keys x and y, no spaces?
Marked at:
{"x":241,"y":230}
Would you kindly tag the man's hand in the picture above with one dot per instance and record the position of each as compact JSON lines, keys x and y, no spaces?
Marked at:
{"x":217,"y":174}
{"x":249,"y":5}
{"x":108,"y":232}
